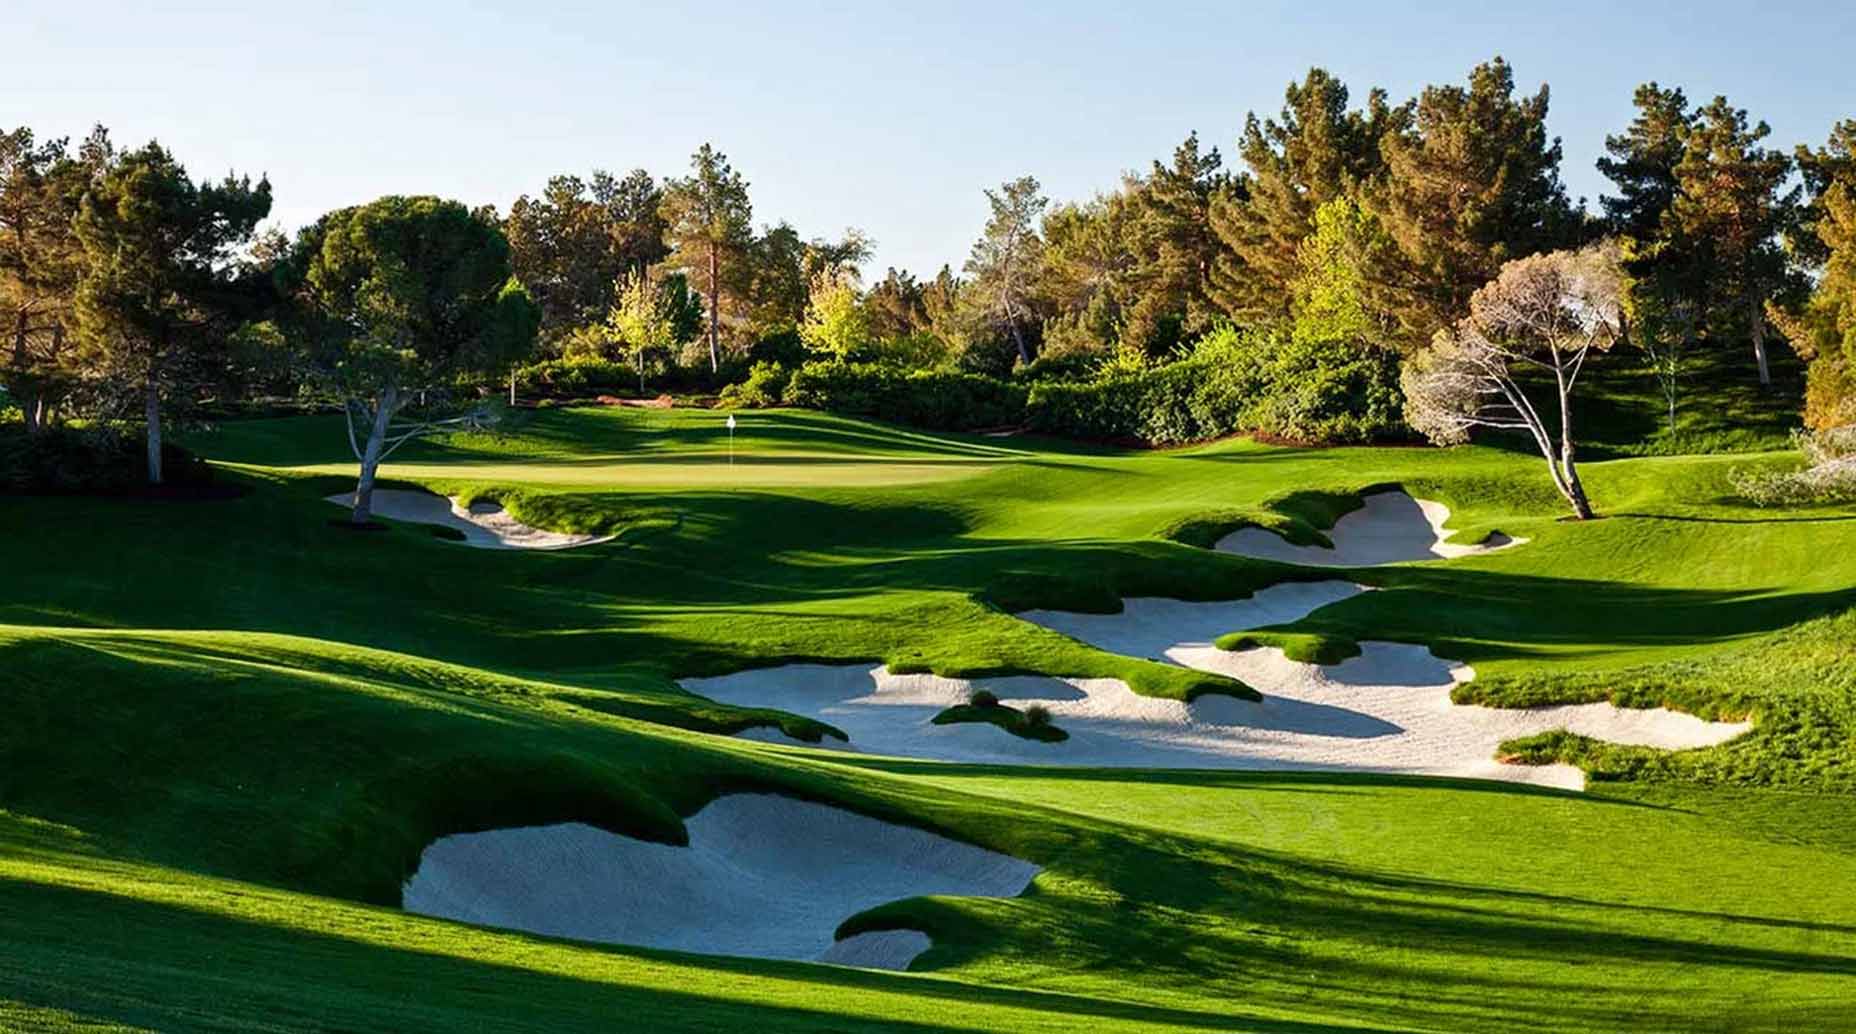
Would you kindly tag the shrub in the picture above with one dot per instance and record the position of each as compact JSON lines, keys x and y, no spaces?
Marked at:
{"x":983,"y":698}
{"x":579,"y":375}
{"x":1303,"y":388}
{"x":1104,"y":410}
{"x":1037,"y":716}
{"x":1232,"y":382}
{"x":765,"y":386}
{"x":943,"y":400}
{"x":90,"y":461}
{"x":1828,"y":476}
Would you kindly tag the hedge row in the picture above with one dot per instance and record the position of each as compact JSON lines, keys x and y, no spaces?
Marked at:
{"x":1302,"y":391}
{"x":946,"y":400}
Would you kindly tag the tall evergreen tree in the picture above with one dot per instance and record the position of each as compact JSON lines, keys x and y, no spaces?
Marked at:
{"x":1822,"y":326}
{"x":1089,"y":269}
{"x":634,"y":221}
{"x":1005,"y":261}
{"x":1642,"y":162}
{"x":1175,"y":247}
{"x":41,"y":261}
{"x":1662,"y":283}
{"x":1471,"y":182}
{"x":1314,"y":151}
{"x":709,"y":226}
{"x":1822,"y":170}
{"x":160,"y":290}
{"x":1730,"y":208}
{"x":896,"y":305}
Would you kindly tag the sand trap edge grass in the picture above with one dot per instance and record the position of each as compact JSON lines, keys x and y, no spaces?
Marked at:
{"x":483,"y":524}
{"x":1390,"y":526}
{"x":763,"y":876}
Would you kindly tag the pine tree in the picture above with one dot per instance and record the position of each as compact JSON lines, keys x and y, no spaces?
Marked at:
{"x":159,"y":292}
{"x":1642,"y":162}
{"x":1005,"y":260}
{"x":1313,"y":152}
{"x":41,"y":263}
{"x":1731,"y":206}
{"x":1175,"y":248}
{"x":1471,"y":182}
{"x":709,"y":221}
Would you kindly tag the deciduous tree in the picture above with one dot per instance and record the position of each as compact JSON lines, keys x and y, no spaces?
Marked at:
{"x":394,"y":299}
{"x":644,"y":320}
{"x":1540,"y":318}
{"x":837,"y":325}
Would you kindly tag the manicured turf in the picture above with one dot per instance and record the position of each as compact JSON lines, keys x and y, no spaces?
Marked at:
{"x":230,"y":728}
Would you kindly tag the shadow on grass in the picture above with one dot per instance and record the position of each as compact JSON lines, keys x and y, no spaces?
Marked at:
{"x":82,"y":947}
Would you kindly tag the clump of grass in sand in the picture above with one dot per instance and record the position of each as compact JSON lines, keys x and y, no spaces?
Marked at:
{"x":1033,"y":723}
{"x":1305,"y":647}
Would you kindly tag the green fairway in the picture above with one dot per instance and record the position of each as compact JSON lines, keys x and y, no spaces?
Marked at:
{"x":230,"y":729}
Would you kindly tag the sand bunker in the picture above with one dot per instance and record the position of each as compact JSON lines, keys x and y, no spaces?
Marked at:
{"x":1388,"y":710}
{"x":764,"y":876}
{"x":485,"y":525}
{"x":1391,"y":527}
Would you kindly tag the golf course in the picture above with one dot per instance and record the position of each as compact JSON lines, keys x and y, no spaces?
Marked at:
{"x":309,"y":709}
{"x":978,"y":555}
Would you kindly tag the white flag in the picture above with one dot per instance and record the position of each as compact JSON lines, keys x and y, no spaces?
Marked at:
{"x":731,"y":421}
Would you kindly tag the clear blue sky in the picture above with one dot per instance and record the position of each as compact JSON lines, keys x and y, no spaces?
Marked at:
{"x":889,"y":118}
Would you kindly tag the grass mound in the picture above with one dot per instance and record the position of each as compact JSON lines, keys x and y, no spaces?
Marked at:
{"x":1305,"y":647}
{"x":1032,"y":723}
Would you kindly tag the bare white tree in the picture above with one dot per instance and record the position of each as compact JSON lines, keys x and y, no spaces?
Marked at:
{"x":1535,"y":323}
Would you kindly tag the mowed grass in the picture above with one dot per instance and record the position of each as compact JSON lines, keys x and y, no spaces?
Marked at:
{"x":230,"y":728}
{"x":1169,"y":900}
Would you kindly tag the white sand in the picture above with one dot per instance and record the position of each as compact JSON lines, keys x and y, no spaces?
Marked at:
{"x":1388,"y":710}
{"x":1391,"y":527}
{"x":763,"y":876}
{"x":485,"y":525}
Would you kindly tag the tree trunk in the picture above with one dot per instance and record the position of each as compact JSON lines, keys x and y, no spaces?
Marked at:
{"x":151,"y":413}
{"x":512,"y":386}
{"x":370,"y":456}
{"x":715,"y":313}
{"x":1572,"y":487}
{"x":1567,"y":472}
{"x":1018,"y":336}
{"x":1759,"y":341}
{"x":31,"y":402}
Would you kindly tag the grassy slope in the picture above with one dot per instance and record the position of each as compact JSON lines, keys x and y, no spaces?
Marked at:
{"x":303,"y":709}
{"x":1169,"y":900}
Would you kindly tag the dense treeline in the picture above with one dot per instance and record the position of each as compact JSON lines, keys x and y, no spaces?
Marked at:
{"x":1282,"y":294}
